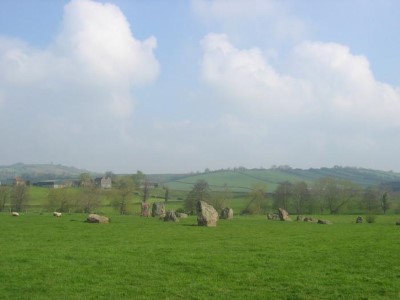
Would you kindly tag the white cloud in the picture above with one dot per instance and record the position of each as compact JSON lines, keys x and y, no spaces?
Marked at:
{"x":95,"y":50}
{"x":321,"y":78}
{"x":245,"y":77}
{"x":98,"y":37}
{"x":343,"y":84}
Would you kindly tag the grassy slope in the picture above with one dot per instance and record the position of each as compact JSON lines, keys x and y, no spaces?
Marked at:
{"x":40,"y":171}
{"x":246,"y":258}
{"x":243,"y":180}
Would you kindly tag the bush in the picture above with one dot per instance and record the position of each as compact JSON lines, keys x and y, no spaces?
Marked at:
{"x":180,"y":210}
{"x":370,"y":218}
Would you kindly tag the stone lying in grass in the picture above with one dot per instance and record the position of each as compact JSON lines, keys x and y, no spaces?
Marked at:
{"x":181,"y":215}
{"x":324,"y":222}
{"x":310,"y":219}
{"x":15,"y":214}
{"x":273,"y":217}
{"x":300,"y":218}
{"x":94,"y":218}
{"x":170,"y":216}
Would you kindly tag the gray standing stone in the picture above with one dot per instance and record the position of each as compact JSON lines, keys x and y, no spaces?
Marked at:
{"x":359,"y":219}
{"x":158,"y":209}
{"x":227,"y":213}
{"x":93,"y":218}
{"x":283,"y":215}
{"x":206,"y":215}
{"x":170,"y":216}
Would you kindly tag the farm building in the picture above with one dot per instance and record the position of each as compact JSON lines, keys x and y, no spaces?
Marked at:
{"x":103,"y":182}
{"x":51,"y":184}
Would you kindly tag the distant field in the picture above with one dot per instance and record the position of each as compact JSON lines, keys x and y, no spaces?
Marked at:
{"x":38,"y":199}
{"x":43,"y":257}
{"x":241,"y":181}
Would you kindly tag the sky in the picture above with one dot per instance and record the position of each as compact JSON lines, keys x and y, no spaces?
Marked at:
{"x":181,"y":86}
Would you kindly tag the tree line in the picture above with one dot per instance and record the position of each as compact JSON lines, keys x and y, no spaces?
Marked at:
{"x":326,"y":195}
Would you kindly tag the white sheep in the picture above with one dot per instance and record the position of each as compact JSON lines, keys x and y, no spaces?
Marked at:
{"x":15,"y":214}
{"x":57,"y":214}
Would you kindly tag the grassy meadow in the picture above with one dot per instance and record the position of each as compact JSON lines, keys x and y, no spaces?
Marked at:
{"x":43,"y":257}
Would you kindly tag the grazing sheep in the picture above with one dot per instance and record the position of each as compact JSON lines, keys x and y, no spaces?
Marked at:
{"x":57,"y":214}
{"x":15,"y":214}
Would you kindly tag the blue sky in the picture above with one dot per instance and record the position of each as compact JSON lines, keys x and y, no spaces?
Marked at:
{"x":180,"y":86}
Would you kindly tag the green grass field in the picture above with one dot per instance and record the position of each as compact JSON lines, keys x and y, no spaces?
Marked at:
{"x":43,"y":257}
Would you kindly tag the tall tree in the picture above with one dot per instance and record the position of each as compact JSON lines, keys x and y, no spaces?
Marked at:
{"x":19,"y":197}
{"x":146,"y":189}
{"x":59,"y":200}
{"x":138,"y":179}
{"x":370,"y":200}
{"x":90,"y":195}
{"x":110,"y":174}
{"x":125,"y":188}
{"x":283,"y":195}
{"x":258,"y":201}
{"x":86,"y":179}
{"x":335,"y":194}
{"x":220,"y":199}
{"x":166,"y":195}
{"x":301,"y":198}
{"x":4,"y":196}
{"x":385,"y":203}
{"x":199,"y":192}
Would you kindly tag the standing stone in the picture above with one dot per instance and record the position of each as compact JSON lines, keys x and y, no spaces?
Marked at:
{"x":283,"y":215}
{"x":93,"y":218}
{"x":227,"y":213}
{"x":145,"y":211}
{"x":359,"y":219}
{"x":206,"y":215}
{"x":170,"y":216}
{"x":158,"y":209}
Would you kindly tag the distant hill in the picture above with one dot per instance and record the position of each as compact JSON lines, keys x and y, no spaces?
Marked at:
{"x":241,"y":180}
{"x":34,"y":172}
{"x":237,"y":180}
